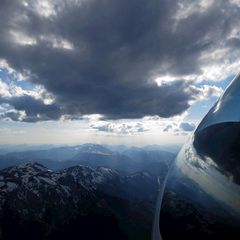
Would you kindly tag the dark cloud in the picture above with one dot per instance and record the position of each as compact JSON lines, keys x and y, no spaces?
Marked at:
{"x":34,"y":109}
{"x":118,"y":47}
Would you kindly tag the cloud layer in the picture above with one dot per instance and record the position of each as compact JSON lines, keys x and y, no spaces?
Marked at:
{"x":103,"y":56}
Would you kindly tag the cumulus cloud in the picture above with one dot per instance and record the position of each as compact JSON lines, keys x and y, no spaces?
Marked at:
{"x":127,"y":128}
{"x":104,"y":56}
{"x":188,"y":127}
{"x":204,"y":92}
{"x":182,"y":128}
{"x":148,"y":125}
{"x":167,"y":128}
{"x":207,"y":91}
{"x":13,"y":115}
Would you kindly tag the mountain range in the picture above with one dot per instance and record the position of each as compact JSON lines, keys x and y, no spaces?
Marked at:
{"x":38,"y":203}
{"x":91,"y":191}
{"x":125,"y":160}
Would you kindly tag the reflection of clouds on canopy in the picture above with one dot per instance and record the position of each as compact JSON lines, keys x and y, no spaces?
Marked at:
{"x":207,"y":175}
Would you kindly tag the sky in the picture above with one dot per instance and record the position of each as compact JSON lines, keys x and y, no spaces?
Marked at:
{"x":107,"y":71}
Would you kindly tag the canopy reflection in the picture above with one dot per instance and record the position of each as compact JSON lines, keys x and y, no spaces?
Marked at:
{"x":202,"y":193}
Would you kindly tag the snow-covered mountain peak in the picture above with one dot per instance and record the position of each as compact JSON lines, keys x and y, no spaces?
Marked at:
{"x":28,"y":167}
